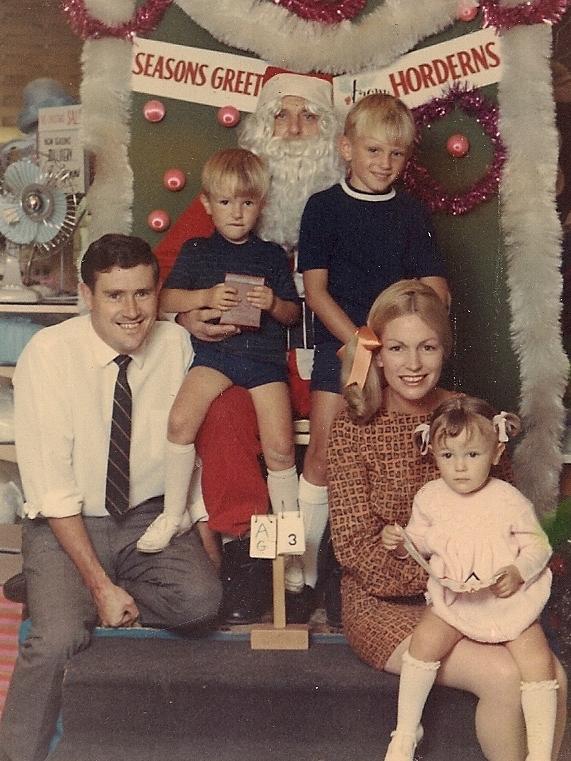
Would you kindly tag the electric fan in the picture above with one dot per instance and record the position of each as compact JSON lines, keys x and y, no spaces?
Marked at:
{"x":38,"y":211}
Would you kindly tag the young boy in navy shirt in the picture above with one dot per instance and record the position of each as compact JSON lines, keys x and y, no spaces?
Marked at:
{"x":234,"y":184}
{"x":357,"y":238}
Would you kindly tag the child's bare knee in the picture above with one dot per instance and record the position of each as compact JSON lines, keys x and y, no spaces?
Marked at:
{"x":282,"y":457}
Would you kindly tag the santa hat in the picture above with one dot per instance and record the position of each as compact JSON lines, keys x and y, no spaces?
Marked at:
{"x":277,"y":83}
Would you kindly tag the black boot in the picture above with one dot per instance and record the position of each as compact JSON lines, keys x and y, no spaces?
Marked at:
{"x":14,"y":588}
{"x":246,"y":584}
{"x":300,"y":605}
{"x":329,"y":580}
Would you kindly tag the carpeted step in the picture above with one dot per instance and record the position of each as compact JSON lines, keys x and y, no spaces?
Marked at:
{"x":205,"y":700}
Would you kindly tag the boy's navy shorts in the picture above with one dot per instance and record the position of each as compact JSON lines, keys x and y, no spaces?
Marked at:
{"x":326,"y":373}
{"x":242,"y":371}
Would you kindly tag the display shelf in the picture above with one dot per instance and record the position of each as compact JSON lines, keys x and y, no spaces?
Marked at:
{"x":53,"y":309}
{"x":6,"y":308}
{"x":7,"y":452}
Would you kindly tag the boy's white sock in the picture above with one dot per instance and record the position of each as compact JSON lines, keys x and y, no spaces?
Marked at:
{"x":416,"y":680}
{"x":179,"y":467}
{"x":314,"y":507}
{"x":283,"y":487}
{"x":539,"y":704}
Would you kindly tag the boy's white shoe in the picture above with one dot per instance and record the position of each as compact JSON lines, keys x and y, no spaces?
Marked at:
{"x":294,"y":576}
{"x":161,"y":531}
{"x":403,"y":745}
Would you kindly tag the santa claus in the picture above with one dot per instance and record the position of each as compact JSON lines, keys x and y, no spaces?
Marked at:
{"x":294,"y":128}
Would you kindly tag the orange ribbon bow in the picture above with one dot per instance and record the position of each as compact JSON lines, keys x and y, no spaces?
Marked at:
{"x":367,"y":342}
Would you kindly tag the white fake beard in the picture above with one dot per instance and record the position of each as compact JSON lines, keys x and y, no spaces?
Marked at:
{"x":298,"y":169}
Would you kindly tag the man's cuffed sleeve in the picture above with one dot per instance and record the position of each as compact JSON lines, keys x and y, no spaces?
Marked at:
{"x":44,"y":446}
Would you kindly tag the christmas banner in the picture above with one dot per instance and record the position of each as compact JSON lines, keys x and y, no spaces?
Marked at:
{"x":473,"y":60}
{"x":196,"y":75}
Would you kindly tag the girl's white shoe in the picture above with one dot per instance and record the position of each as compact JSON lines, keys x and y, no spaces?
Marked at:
{"x":403,"y":745}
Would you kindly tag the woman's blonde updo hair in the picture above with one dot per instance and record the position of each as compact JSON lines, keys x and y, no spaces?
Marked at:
{"x":399,"y":300}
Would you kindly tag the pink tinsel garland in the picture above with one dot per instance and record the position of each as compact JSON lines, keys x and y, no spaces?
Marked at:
{"x":323,"y":11}
{"x":532,"y":12}
{"x":417,"y":178}
{"x":147,"y":17}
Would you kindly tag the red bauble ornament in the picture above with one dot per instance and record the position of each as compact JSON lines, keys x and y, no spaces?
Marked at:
{"x":158,"y":220}
{"x":174,"y":179}
{"x":467,"y":14}
{"x":417,"y":178}
{"x":458,"y":145}
{"x":154,"y":111}
{"x":228,"y":116}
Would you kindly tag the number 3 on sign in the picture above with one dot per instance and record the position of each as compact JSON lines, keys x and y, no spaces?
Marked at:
{"x":291,"y":536}
{"x":263,"y":536}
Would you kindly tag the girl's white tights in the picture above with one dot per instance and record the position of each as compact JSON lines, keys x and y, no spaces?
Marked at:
{"x":539,"y":704}
{"x":416,"y":680}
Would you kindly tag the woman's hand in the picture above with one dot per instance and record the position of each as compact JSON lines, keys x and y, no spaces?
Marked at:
{"x":509,"y":581}
{"x":391,"y":536}
{"x":262,"y":297}
{"x":222,"y":297}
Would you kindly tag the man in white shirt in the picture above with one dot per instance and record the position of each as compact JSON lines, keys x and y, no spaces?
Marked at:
{"x":81,"y":564}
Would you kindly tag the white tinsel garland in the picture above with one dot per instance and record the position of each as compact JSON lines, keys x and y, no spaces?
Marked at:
{"x":371,"y":41}
{"x":106,"y":100}
{"x":529,"y":218}
{"x":533,"y":245}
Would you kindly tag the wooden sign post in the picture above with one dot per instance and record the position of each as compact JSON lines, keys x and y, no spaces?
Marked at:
{"x":279,"y":635}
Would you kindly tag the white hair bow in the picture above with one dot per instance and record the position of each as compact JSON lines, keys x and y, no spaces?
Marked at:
{"x":500,"y":423}
{"x":424,"y":430}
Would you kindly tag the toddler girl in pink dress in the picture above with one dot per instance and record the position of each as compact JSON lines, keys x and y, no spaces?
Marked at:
{"x":488,"y":576}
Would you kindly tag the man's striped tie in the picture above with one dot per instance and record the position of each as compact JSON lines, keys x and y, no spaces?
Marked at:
{"x":117,"y":488}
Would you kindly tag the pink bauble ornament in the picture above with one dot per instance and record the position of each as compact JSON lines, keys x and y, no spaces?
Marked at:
{"x":158,"y":220}
{"x":228,"y":116}
{"x":467,"y":14}
{"x":154,"y":111}
{"x":458,"y":145}
{"x":174,"y":179}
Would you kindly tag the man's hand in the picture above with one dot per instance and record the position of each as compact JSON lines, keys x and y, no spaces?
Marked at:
{"x":115,"y":606}
{"x":196,"y":324}
{"x":508,"y":583}
{"x":222,"y":297}
{"x":262,"y":297}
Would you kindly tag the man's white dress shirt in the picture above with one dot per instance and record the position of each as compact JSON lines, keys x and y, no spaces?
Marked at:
{"x":64,"y":383}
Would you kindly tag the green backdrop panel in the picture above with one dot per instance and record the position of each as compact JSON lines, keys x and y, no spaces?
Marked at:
{"x":483,"y":362}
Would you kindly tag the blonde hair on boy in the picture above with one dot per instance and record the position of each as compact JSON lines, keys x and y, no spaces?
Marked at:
{"x":236,"y":172}
{"x":401,"y":299}
{"x":382,"y":117}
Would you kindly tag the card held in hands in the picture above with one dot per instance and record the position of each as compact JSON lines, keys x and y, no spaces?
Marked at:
{"x":243,"y":315}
